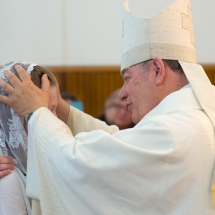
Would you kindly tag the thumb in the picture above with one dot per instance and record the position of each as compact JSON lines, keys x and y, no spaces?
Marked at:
{"x":45,"y":85}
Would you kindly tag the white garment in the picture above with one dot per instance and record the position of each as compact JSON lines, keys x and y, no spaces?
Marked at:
{"x":163,"y":165}
{"x":12,"y":195}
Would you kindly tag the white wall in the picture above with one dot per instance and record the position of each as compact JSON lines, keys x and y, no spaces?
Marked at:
{"x":31,"y":31}
{"x":84,"y":32}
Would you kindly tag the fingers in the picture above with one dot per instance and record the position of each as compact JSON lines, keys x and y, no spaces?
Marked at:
{"x":4,"y":99}
{"x":24,"y":97}
{"x":6,"y":165}
{"x":7,"y":87}
{"x":13,"y":79}
{"x":24,"y":76}
{"x":45,"y":86}
{"x":6,"y":160}
{"x":4,"y":173}
{"x":14,"y":82}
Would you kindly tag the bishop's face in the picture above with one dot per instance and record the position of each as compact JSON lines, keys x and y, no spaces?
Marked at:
{"x":137,"y":91}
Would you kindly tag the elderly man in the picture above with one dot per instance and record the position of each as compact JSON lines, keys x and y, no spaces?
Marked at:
{"x":164,"y":165}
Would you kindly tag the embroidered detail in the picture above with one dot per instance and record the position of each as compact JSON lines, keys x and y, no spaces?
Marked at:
{"x":7,"y":66}
{"x":13,"y":137}
{"x":17,"y":135}
{"x":3,"y":147}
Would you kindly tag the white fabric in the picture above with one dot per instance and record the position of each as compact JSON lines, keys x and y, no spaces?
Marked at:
{"x":12,"y":195}
{"x":13,"y":142}
{"x":168,"y":35}
{"x":204,"y":91}
{"x":13,"y":137}
{"x":161,"y":166}
{"x":85,"y":123}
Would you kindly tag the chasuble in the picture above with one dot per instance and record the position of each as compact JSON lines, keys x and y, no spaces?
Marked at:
{"x":163,"y":165}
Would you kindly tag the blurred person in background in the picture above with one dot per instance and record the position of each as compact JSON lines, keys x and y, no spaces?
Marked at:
{"x":116,"y":113}
{"x":73,"y":100}
{"x":69,"y":97}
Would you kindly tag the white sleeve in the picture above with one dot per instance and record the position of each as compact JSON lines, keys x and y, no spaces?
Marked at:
{"x":85,"y":174}
{"x":79,"y":121}
{"x":11,"y":196}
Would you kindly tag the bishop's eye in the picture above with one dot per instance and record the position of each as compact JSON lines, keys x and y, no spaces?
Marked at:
{"x":126,"y":78}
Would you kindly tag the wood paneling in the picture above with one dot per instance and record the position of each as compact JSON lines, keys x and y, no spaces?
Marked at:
{"x":94,"y":84}
{"x":210,"y":71}
{"x":91,"y":84}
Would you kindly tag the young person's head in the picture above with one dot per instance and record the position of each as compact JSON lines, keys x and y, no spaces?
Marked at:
{"x":13,"y":134}
{"x":36,"y":75}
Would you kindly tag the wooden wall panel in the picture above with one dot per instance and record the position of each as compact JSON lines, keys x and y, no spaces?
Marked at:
{"x":94,"y":84}
{"x":91,"y":84}
{"x":210,"y":71}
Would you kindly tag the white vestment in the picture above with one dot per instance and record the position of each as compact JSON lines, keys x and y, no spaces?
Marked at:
{"x":164,"y":165}
{"x":13,"y":200}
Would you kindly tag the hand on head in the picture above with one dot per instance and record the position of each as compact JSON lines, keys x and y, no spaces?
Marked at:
{"x":25,"y":97}
{"x":6,"y":165}
{"x":62,"y":107}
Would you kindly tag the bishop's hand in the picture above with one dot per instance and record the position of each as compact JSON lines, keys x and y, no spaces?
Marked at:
{"x":25,"y":97}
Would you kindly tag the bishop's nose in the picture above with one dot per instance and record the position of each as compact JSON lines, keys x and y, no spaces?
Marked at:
{"x":122,"y":94}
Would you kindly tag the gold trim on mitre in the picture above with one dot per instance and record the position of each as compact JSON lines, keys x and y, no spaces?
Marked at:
{"x":168,"y":35}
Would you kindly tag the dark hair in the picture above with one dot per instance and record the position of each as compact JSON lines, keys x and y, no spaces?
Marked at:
{"x":37,"y":74}
{"x":69,"y":96}
{"x":174,"y":65}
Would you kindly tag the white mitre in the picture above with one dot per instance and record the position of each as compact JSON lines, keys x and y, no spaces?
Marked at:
{"x":168,"y":35}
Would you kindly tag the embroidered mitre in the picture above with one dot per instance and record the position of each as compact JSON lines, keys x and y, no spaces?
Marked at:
{"x":168,"y":35}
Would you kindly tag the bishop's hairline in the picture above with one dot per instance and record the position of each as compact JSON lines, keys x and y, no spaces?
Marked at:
{"x":172,"y":64}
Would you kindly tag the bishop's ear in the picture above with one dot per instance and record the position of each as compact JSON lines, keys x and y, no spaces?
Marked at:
{"x":158,"y":70}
